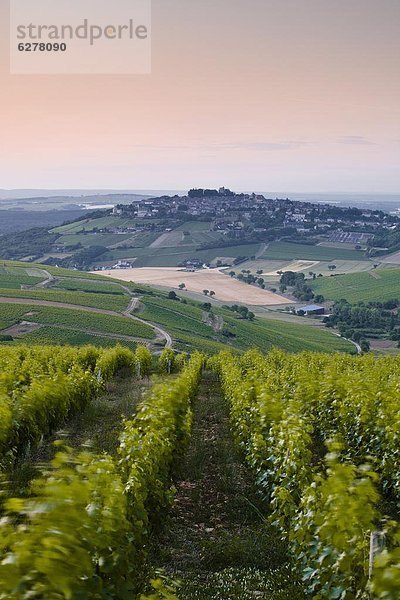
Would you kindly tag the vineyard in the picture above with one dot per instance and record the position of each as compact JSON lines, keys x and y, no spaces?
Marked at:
{"x":322,"y":438}
{"x":233,"y":477}
{"x":57,"y":306}
{"x":376,"y":286}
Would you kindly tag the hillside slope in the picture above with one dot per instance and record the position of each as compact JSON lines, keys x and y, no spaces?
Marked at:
{"x":59,"y":306}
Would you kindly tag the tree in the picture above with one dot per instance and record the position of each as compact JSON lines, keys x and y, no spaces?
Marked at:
{"x":232,"y":273}
{"x":212,"y":293}
{"x":331,"y":267}
{"x":243,"y":310}
{"x":260,"y":272}
{"x":319,"y":298}
{"x":251,"y":316}
{"x":172,"y":296}
{"x":207,"y":306}
{"x":206,"y":292}
{"x":365,"y":345}
{"x":182,"y":286}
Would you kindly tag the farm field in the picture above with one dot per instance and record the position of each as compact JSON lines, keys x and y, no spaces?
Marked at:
{"x":377,"y":285}
{"x":95,"y":300}
{"x":93,"y":239}
{"x":89,"y":286}
{"x":169,"y":239}
{"x":226,"y":288}
{"x":89,"y":224}
{"x":50,"y":336}
{"x":13,"y":277}
{"x":236,"y":437}
{"x":74,"y":319}
{"x":106,"y":299}
{"x":176,"y":255}
{"x":393,"y":259}
{"x":286,"y":250}
{"x":181,"y":238}
{"x":185,"y":322}
{"x":194,"y":226}
{"x":270,"y":267}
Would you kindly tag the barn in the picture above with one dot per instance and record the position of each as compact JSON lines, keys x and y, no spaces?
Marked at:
{"x":311,"y":309}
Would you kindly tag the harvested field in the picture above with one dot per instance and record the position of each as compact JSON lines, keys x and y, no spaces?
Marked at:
{"x":393,"y":259}
{"x":226,"y":289}
{"x":168,"y":240}
{"x":296,"y":266}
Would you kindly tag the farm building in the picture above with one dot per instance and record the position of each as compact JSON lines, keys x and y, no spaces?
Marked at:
{"x":311,"y":309}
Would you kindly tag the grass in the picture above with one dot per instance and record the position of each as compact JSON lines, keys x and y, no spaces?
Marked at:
{"x":378,"y":285}
{"x":288,"y":251}
{"x":217,"y":541}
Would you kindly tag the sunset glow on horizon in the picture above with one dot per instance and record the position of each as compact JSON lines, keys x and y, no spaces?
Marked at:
{"x":300,"y":95}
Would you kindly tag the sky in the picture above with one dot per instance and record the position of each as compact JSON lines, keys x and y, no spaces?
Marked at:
{"x":293,"y":95}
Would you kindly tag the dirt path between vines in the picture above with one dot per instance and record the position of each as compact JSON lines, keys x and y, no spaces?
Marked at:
{"x":217,"y":541}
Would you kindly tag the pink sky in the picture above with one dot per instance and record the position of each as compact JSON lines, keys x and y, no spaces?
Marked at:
{"x":299,"y":95}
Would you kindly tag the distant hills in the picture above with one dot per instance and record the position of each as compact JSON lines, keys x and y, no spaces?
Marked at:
{"x":15,"y":194}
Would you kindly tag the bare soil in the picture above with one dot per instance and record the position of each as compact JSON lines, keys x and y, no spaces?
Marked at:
{"x":226,"y":288}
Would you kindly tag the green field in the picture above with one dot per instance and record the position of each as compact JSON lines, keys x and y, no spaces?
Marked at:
{"x":94,"y":287}
{"x":75,"y":319}
{"x":193,"y":226}
{"x":97,"y":300}
{"x":12,"y":277}
{"x":184,"y":322}
{"x":51,"y":336}
{"x":93,"y":239}
{"x":174,"y":256}
{"x":288,"y":251}
{"x":378,"y":285}
{"x":90,"y":224}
